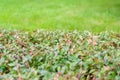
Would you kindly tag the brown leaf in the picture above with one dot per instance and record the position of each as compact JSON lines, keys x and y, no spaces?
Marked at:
{"x":89,"y":41}
{"x":71,"y":50}
{"x":94,"y":77}
{"x":1,"y":73}
{"x":118,"y":35}
{"x":112,"y":69}
{"x":59,"y":47}
{"x":1,"y":54}
{"x":21,"y":43}
{"x":119,"y":64}
{"x":106,"y":68}
{"x":69,"y":42}
{"x":7,"y":45}
{"x":96,"y":60}
{"x":12,"y":33}
{"x":57,"y":76}
{"x":114,"y":44}
{"x":67,"y":77}
{"x":1,"y":34}
{"x":6,"y":79}
{"x":78,"y":76}
{"x":95,"y":40}
{"x":19,"y":78}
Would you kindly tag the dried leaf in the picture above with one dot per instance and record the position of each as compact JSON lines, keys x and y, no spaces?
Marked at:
{"x":57,"y":76}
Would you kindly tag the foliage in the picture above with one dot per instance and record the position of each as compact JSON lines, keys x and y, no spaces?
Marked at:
{"x":59,"y":55}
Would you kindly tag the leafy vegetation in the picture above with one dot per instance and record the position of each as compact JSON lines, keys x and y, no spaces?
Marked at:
{"x":92,"y":15}
{"x":59,"y":55}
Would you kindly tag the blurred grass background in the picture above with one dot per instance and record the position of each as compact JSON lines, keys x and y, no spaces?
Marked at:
{"x":92,"y":15}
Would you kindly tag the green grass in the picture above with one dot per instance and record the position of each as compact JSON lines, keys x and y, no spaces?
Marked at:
{"x":92,"y":15}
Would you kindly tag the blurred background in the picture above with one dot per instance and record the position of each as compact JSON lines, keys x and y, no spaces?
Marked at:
{"x":92,"y":15}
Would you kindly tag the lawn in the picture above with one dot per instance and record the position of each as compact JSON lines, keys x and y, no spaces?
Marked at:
{"x":92,"y":15}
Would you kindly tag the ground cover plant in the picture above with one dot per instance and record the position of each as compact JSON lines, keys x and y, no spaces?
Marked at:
{"x":59,"y":55}
{"x":92,"y":15}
